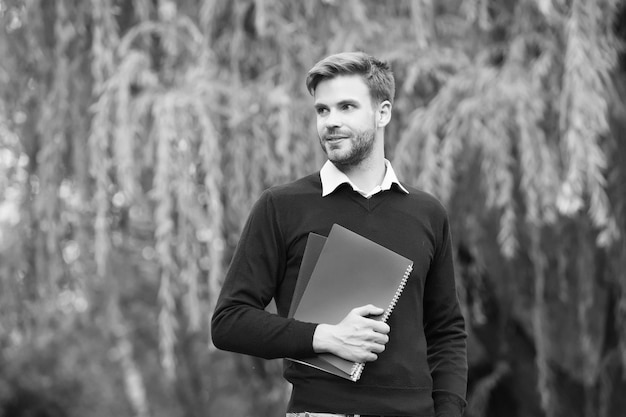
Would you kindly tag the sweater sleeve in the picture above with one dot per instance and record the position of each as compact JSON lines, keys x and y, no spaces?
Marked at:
{"x":448,"y":405}
{"x":444,"y":324}
{"x":240,"y":322}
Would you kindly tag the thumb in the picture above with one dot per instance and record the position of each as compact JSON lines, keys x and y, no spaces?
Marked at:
{"x":369,"y":310}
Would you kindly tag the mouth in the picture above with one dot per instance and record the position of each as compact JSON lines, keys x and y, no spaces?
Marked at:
{"x":334,"y":138}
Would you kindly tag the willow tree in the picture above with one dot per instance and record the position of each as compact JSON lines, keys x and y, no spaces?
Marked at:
{"x":517,"y":133}
{"x":137,"y":134}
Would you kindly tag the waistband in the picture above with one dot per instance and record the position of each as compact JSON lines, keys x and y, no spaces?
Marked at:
{"x":308,"y":414}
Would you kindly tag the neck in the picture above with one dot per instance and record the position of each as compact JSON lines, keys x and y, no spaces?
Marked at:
{"x":367,"y":174}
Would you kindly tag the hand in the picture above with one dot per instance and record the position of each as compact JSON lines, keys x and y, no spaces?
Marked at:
{"x":356,"y":338}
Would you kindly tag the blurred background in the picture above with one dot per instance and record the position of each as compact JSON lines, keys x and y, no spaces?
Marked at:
{"x":136,"y":134}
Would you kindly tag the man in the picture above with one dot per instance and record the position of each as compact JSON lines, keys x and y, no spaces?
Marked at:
{"x":417,"y":361}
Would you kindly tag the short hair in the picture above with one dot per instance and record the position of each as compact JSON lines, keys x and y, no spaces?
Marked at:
{"x":376,"y":73}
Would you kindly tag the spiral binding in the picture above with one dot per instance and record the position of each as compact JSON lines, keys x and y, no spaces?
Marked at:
{"x":357,"y":368}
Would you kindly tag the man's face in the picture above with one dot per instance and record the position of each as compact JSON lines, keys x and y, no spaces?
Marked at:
{"x":346,"y":119}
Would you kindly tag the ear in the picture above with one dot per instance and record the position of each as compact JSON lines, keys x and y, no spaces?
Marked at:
{"x":383,"y":114}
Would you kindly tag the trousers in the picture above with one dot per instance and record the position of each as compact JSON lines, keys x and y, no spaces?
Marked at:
{"x":307,"y":414}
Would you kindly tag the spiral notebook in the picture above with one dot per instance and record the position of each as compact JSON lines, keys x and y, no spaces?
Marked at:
{"x":350,"y":271}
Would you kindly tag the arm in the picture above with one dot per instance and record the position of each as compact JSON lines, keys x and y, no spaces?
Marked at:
{"x":240,"y":323}
{"x":445,"y":330}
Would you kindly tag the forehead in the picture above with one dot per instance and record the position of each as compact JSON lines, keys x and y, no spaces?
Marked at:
{"x":342,"y":88}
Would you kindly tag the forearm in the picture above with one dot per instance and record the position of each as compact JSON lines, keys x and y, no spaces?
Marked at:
{"x":448,"y":363}
{"x":255,"y":275}
{"x":447,"y":359}
{"x":255,"y":332}
{"x":444,"y":325}
{"x":448,"y":405}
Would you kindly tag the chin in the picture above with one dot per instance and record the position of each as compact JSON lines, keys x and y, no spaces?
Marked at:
{"x":344,"y":162}
{"x":337,"y":158}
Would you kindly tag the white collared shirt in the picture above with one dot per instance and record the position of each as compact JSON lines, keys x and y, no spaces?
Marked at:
{"x":332,"y":178}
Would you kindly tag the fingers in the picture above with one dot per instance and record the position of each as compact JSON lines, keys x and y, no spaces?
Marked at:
{"x":380,"y":327}
{"x":358,"y":337}
{"x":377,"y":347}
{"x":376,"y":343}
{"x":370,"y":310}
{"x":374,"y":332}
{"x":371,"y":352}
{"x":378,"y":338}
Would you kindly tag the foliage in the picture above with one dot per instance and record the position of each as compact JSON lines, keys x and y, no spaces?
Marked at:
{"x":135,"y":136}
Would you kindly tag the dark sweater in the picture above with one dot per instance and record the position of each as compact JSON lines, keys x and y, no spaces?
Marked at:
{"x":426,"y":352}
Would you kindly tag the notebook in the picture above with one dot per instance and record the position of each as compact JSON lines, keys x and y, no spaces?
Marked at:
{"x":312,"y":250}
{"x":350,"y":271}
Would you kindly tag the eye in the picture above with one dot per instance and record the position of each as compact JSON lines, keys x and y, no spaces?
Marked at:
{"x":321,"y":111}
{"x":348,"y":107}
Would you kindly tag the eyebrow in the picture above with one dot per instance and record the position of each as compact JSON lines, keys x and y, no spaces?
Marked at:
{"x":348,"y":101}
{"x":339,"y":104}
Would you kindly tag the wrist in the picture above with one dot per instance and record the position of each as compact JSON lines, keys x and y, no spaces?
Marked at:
{"x":448,"y":405}
{"x":321,"y":338}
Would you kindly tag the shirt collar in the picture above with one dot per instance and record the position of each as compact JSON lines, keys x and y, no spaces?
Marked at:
{"x":332,"y":178}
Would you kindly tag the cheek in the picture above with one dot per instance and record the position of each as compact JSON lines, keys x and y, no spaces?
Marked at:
{"x":320,"y":126}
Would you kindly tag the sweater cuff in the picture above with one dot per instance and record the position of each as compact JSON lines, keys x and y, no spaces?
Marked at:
{"x":448,"y":405}
{"x":302,"y":340}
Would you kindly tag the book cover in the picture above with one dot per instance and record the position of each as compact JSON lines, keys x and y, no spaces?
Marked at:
{"x":312,"y":250}
{"x":350,"y":271}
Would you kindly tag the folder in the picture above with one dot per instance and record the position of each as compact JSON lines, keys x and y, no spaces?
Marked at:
{"x":350,"y":271}
{"x":312,"y":250}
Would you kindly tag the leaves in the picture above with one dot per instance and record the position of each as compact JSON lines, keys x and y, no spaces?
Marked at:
{"x":588,"y":60}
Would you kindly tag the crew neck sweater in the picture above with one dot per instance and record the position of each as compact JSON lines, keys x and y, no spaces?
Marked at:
{"x":426,"y":352}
